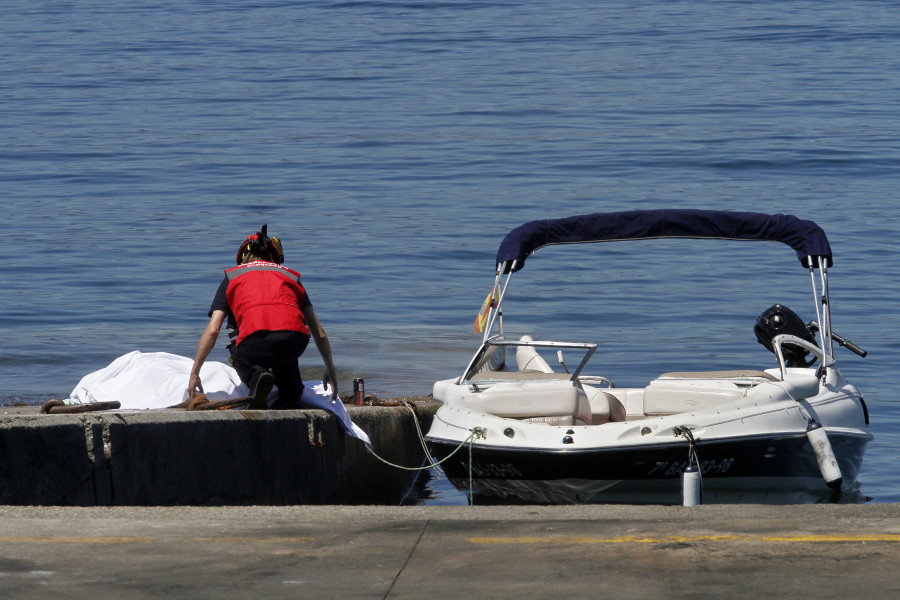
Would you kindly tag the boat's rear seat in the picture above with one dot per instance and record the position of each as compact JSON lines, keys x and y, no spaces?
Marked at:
{"x":751,"y":374}
{"x":678,"y":392}
{"x":554,"y":401}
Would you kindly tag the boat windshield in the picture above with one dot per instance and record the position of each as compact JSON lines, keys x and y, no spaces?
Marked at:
{"x":490,"y":362}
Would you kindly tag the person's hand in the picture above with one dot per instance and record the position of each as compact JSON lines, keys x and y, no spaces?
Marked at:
{"x":329,"y":380}
{"x":194,"y":386}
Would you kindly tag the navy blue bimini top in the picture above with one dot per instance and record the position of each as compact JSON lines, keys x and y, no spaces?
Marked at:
{"x":805,"y":237}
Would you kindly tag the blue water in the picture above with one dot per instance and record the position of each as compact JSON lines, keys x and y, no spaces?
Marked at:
{"x":392,"y":144}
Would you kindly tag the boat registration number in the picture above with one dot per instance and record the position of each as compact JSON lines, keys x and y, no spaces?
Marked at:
{"x":707,"y":467}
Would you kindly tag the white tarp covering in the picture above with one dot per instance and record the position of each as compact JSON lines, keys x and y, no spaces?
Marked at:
{"x":141,"y":380}
{"x":155,"y":380}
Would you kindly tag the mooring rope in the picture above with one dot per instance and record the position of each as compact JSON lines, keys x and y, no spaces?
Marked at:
{"x":430,"y":458}
{"x":475,"y":431}
{"x":470,"y":440}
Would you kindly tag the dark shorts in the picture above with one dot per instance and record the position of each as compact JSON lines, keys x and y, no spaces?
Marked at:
{"x":276,"y":352}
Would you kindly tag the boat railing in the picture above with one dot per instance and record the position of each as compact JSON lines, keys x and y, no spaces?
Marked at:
{"x":780,"y":340}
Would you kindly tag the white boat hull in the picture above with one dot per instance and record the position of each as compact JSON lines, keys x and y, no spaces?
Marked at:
{"x":754,"y":449}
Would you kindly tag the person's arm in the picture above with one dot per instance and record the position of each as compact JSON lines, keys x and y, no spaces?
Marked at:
{"x":323,"y":346}
{"x":206,"y":345}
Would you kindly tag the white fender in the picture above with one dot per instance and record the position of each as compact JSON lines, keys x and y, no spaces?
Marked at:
{"x":828,"y":465}
{"x":690,"y":486}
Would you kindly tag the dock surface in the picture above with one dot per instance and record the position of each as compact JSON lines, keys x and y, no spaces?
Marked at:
{"x":647,"y":552}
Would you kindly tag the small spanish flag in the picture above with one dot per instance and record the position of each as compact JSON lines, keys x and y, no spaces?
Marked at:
{"x":489,"y":303}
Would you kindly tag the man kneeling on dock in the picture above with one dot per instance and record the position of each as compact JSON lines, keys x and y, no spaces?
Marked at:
{"x":272,"y":319}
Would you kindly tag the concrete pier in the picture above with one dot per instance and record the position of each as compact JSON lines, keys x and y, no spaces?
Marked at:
{"x":231,"y":457}
{"x":739,"y":552}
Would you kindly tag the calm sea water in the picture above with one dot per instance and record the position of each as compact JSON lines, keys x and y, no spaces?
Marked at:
{"x":391,"y":145}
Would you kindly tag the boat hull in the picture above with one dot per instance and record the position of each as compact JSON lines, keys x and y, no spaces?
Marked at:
{"x":765,"y":468}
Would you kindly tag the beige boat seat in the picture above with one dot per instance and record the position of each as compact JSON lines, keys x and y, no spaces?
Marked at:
{"x":736,"y":374}
{"x":551,"y":401}
{"x":528,"y":359}
{"x":673,"y":393}
{"x":605,"y":407}
{"x":518,"y":376}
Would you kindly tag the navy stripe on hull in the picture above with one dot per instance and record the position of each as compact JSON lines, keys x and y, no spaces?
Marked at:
{"x":782,"y":463}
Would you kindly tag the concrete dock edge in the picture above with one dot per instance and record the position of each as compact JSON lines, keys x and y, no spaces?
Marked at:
{"x":232,"y":457}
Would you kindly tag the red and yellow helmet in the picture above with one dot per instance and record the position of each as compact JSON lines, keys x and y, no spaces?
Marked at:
{"x":261,"y":245}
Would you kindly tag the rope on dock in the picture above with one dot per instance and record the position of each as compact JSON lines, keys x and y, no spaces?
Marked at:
{"x":55,"y":406}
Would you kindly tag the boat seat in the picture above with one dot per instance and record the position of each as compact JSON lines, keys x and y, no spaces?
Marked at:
{"x":675,"y":393}
{"x":604,"y":407}
{"x":737,"y":374}
{"x":518,"y":376}
{"x":528,"y":359}
{"x":554,"y":402}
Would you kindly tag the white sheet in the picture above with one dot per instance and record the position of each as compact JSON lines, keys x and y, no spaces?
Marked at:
{"x":315,"y":396}
{"x":155,"y":380}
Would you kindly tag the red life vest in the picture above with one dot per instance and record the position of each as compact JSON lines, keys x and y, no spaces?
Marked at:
{"x":265,"y":297}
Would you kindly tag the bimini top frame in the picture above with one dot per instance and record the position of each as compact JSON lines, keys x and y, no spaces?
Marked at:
{"x":806,"y":238}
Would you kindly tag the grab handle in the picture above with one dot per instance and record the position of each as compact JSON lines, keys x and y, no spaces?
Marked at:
{"x":779,"y":340}
{"x":841,"y":341}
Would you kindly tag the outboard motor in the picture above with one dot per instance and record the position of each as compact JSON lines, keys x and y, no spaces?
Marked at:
{"x":780,"y":320}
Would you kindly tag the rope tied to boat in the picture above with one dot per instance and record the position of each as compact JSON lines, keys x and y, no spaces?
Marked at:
{"x":474,"y":432}
{"x":692,"y":476}
{"x":687,"y":434}
{"x":432,"y":463}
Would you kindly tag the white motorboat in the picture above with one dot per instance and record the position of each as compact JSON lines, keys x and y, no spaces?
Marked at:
{"x":524,"y":433}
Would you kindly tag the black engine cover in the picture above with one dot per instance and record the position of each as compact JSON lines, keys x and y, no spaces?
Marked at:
{"x":779,"y":320}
